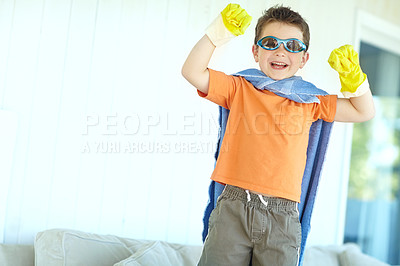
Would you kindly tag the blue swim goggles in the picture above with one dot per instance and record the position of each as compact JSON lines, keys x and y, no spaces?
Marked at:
{"x":272,"y":43}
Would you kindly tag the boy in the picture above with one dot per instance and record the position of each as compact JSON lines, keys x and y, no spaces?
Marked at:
{"x":262,"y":157}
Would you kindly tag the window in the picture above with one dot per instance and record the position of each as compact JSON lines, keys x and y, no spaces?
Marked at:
{"x":373,"y":203}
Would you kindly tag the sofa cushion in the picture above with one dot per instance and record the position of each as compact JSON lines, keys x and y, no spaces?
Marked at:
{"x":322,"y":255}
{"x":72,"y":248}
{"x":352,"y":256}
{"x":161,"y":253}
{"x":16,"y":255}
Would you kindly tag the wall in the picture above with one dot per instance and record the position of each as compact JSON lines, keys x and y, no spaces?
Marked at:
{"x":108,"y":131}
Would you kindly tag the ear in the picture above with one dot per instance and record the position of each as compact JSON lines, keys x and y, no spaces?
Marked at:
{"x":304,"y":59}
{"x":254,"y":49}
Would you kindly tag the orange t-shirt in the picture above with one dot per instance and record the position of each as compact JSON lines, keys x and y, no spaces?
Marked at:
{"x":265,"y":143}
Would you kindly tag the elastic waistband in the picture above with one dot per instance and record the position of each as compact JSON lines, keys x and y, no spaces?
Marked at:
{"x":273,"y":202}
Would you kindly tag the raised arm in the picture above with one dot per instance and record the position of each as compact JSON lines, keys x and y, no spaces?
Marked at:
{"x":195,"y":67}
{"x":355,"y":109}
{"x":231,"y":22}
{"x":359,"y":107}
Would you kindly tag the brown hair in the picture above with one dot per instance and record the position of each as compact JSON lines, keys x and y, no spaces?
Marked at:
{"x":284,"y":15}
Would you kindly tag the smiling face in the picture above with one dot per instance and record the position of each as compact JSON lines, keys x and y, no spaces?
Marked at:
{"x":280,"y":64}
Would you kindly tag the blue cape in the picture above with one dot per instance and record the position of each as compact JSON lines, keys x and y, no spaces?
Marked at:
{"x":298,"y":90}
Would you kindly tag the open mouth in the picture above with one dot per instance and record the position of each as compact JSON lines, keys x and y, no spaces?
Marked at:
{"x":278,"y":65}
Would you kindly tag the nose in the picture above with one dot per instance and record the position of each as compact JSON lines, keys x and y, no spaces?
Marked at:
{"x":280,"y":51}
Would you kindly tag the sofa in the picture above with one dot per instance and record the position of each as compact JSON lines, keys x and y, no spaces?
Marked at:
{"x":61,"y":247}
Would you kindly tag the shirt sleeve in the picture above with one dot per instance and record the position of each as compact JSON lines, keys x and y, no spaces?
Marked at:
{"x":221,"y":88}
{"x":326,"y":109}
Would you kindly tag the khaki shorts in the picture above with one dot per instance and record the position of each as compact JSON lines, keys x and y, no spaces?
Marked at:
{"x":243,"y":230}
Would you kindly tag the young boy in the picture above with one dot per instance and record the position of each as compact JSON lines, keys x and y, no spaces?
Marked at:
{"x":263,"y":153}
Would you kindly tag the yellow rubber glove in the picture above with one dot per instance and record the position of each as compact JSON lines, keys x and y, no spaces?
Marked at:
{"x":345,"y":61}
{"x":236,"y":19}
{"x":231,"y":22}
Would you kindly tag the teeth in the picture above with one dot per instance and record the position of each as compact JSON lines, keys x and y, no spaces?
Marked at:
{"x":279,"y":64}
